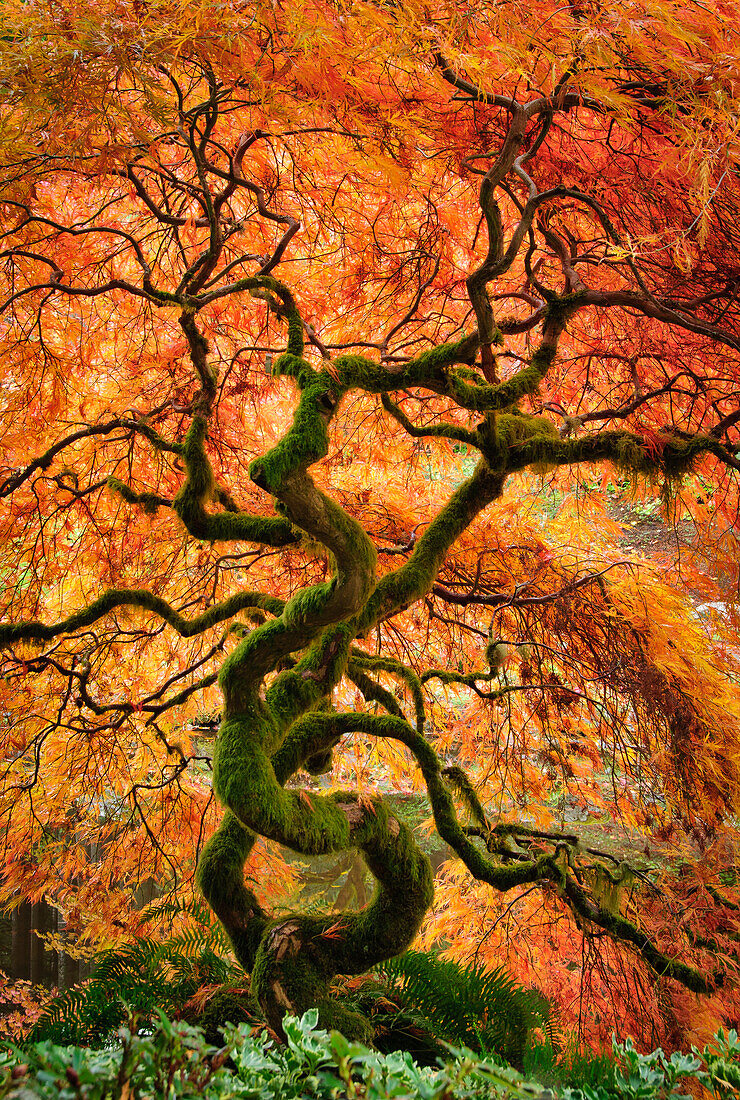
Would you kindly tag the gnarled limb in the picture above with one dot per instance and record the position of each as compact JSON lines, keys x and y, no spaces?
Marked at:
{"x":143,"y":600}
{"x":512,"y":869}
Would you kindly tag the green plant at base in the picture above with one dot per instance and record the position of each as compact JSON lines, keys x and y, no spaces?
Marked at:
{"x":149,"y":977}
{"x":173,"y":1061}
{"x":468,"y":1005}
{"x":722,"y":1059}
{"x":568,"y":1066}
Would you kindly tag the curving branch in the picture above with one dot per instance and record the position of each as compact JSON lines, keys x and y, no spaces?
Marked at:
{"x":143,"y":600}
{"x":278,"y":681}
{"x":44,"y":461}
{"x":512,"y":869}
{"x":670,"y":454}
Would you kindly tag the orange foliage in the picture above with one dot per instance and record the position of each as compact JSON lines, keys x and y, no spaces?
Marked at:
{"x":346,"y":150}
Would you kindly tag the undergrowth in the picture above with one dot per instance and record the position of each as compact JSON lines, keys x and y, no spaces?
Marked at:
{"x":441,"y":1031}
{"x":173,"y":1060}
{"x":469,"y":1006}
{"x":188,"y":977}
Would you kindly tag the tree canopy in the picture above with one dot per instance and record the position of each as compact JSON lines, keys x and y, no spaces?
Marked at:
{"x":324,"y":330}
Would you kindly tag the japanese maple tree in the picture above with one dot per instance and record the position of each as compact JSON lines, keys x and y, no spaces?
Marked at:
{"x":305,"y":314}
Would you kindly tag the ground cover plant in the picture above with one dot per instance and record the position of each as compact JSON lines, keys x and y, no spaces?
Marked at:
{"x":173,"y":1060}
{"x":303,"y":311}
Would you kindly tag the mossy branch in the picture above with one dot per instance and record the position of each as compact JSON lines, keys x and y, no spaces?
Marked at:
{"x":297,"y":957}
{"x":198,"y":347}
{"x":157,"y":441}
{"x":472,"y":679}
{"x":305,"y":442}
{"x":482,"y":397}
{"x":414,"y":579}
{"x":150,"y":502}
{"x":283,"y":471}
{"x":396,"y":728}
{"x":373,"y":692}
{"x":302,"y":687}
{"x":438,"y":370}
{"x":669,"y":455}
{"x":402,"y":672}
{"x":142,"y":600}
{"x":427,"y":370}
{"x":446,"y":676}
{"x":200,"y":487}
{"x":459,"y":781}
{"x":44,"y":461}
{"x":309,"y":737}
{"x":622,"y":929}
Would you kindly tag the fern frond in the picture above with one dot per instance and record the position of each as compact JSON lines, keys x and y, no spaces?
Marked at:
{"x":485,"y":1010}
{"x":146,"y":974}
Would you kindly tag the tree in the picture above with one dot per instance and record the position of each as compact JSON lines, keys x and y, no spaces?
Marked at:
{"x":301,"y":308}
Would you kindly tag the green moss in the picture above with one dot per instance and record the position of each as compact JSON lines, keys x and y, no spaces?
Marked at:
{"x":443,"y":356}
{"x":308,"y":602}
{"x":358,"y":371}
{"x":372,"y":691}
{"x":496,"y":654}
{"x":284,"y":975}
{"x":296,"y":958}
{"x":220,"y":876}
{"x":304,"y":443}
{"x":294,"y":366}
{"x":631,"y":458}
{"x":404,"y":893}
{"x":295,"y":332}
{"x":400,"y":670}
{"x":252,"y":659}
{"x":414,"y":579}
{"x":309,"y":735}
{"x":607,"y":885}
{"x":200,"y":480}
{"x":150,"y":502}
{"x":244,"y":780}
{"x":320,"y":762}
{"x":299,"y":955}
{"x":502,"y":877}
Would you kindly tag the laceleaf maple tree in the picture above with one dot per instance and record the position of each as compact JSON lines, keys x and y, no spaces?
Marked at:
{"x":306,"y":312}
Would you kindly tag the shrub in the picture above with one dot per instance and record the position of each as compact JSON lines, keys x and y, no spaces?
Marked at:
{"x":185,"y":977}
{"x":173,"y":1061}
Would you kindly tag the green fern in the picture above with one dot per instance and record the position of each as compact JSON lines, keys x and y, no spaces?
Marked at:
{"x":148,"y":976}
{"x":485,"y":1010}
